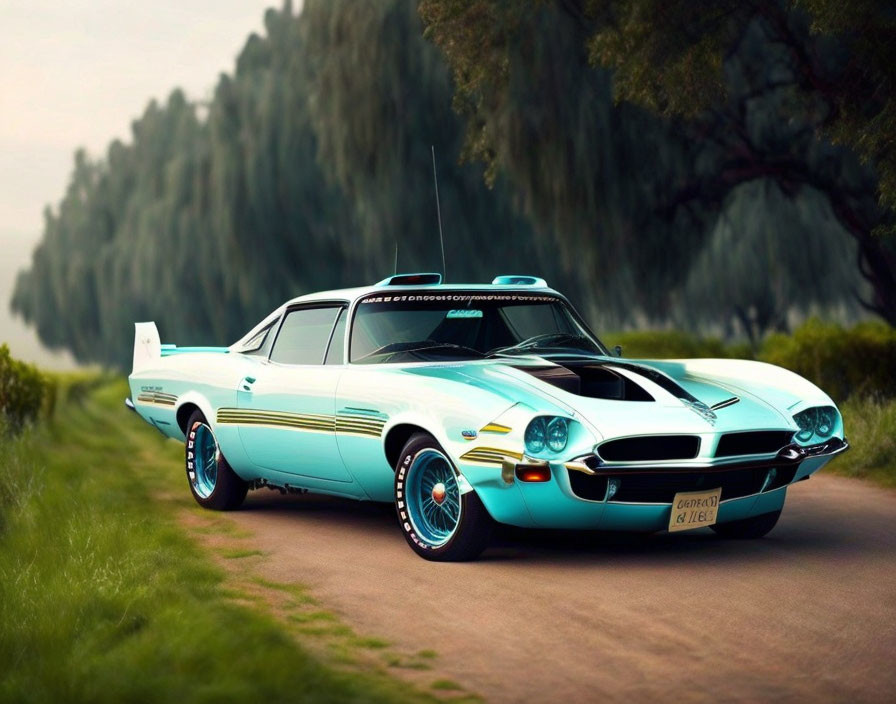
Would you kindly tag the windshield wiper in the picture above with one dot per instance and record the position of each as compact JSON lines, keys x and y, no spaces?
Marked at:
{"x":549,"y":340}
{"x":445,"y":346}
{"x":415,"y":348}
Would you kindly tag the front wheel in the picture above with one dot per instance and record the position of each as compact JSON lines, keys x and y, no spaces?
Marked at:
{"x":438,"y":521}
{"x":212,"y":481}
{"x":748,"y":528}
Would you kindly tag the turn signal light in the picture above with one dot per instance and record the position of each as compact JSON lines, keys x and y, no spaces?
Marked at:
{"x":533,"y":474}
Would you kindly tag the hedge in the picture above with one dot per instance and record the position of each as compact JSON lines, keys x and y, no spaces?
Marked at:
{"x":23,"y":391}
{"x":844,"y":362}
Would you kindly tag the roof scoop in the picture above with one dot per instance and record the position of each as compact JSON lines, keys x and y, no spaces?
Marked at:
{"x":412,"y":280}
{"x":519,"y":280}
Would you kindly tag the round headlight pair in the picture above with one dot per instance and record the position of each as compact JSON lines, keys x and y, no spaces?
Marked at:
{"x":815,"y":421}
{"x":551,"y":432}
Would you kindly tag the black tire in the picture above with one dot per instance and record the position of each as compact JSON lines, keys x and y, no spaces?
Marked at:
{"x":229,"y":490}
{"x":748,"y":528}
{"x":474,"y":525}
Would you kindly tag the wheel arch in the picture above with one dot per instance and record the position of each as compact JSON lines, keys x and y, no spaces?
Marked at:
{"x":190,"y":403}
{"x":397,"y":437}
{"x":183,"y":415}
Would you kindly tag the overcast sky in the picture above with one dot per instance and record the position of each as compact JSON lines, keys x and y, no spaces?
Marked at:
{"x":75,"y":74}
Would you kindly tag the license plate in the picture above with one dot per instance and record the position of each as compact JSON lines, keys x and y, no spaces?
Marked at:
{"x":694,"y":509}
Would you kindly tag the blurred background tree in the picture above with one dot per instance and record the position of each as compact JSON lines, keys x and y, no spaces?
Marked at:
{"x":664,"y":163}
{"x":796,"y":92}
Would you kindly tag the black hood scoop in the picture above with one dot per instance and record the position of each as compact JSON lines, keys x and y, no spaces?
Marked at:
{"x":596,"y":379}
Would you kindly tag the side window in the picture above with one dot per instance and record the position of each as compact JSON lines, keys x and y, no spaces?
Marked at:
{"x":304,"y":335}
{"x":337,"y":342}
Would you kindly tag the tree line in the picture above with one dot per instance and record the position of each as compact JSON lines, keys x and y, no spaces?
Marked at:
{"x":310,"y":168}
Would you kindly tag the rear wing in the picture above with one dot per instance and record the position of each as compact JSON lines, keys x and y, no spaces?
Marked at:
{"x":147,"y":346}
{"x":148,"y":350}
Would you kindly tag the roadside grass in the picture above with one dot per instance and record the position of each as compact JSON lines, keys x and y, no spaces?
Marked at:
{"x":871,"y":430}
{"x":105,"y":597}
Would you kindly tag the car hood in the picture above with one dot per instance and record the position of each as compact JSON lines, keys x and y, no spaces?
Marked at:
{"x":683,"y":392}
{"x":746,"y":395}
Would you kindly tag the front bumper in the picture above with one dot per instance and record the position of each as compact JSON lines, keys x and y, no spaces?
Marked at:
{"x":586,"y":494}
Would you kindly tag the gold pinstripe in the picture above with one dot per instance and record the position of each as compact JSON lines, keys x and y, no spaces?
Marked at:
{"x":312,"y":422}
{"x":495,"y":428}
{"x":157,"y":398}
{"x":490,"y":455}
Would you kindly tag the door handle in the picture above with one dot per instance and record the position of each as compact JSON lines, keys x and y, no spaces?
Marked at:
{"x":246,"y":383}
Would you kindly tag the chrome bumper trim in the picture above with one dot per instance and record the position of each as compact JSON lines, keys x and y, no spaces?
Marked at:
{"x":791,"y":454}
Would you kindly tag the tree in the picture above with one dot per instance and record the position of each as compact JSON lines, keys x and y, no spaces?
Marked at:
{"x":818,"y":70}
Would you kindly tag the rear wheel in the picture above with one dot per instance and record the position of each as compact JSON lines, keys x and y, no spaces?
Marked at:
{"x":212,"y":481}
{"x":437,"y":519}
{"x":748,"y":528}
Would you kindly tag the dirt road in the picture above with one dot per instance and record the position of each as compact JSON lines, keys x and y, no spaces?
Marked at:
{"x":808,"y":613}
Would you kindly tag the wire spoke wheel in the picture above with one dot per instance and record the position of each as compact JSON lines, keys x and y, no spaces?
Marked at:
{"x":433,"y":497}
{"x":205,"y":462}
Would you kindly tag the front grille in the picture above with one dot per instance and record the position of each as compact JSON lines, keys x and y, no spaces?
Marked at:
{"x":659,"y":486}
{"x":760,"y":442}
{"x":650,"y":448}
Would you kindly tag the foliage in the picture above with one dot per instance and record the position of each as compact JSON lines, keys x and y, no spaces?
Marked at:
{"x":671,"y":344}
{"x":843,"y":62}
{"x":871,"y":428}
{"x":755,"y":88}
{"x":105,"y":598}
{"x":856,"y":362}
{"x":757,"y":269}
{"x":23,"y":392}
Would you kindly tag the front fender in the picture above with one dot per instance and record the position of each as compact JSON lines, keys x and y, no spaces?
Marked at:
{"x":782,"y":388}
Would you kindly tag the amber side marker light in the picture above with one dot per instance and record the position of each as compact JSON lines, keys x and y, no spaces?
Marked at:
{"x":533,"y":474}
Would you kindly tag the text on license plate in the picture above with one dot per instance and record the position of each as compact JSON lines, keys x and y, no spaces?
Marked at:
{"x":694,"y":509}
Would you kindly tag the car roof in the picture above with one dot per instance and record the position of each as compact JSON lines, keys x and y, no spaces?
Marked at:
{"x":353,"y":294}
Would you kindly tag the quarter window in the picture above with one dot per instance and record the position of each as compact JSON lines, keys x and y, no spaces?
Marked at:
{"x":304,"y":335}
{"x":255,"y":344}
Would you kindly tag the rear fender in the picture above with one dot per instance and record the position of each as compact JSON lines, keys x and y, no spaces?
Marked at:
{"x":196,"y":399}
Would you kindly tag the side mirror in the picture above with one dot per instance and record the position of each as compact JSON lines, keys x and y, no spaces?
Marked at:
{"x":618,"y":350}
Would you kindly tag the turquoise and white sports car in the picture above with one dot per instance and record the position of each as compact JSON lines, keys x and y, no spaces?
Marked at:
{"x":470,"y":404}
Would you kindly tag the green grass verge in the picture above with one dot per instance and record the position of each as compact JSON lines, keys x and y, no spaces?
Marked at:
{"x":105,"y":598}
{"x":871,"y":430}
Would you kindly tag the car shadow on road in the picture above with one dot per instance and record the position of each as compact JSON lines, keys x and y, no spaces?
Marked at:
{"x":800,"y":535}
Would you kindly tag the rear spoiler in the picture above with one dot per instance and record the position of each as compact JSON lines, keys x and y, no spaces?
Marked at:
{"x":148,"y":349}
{"x":147,"y":346}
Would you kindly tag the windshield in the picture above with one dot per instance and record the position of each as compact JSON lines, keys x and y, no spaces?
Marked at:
{"x":466,"y":325}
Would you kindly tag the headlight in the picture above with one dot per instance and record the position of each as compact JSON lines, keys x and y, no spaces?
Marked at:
{"x":813,"y":422}
{"x":535,"y":434}
{"x":806,"y":421}
{"x":826,"y":419}
{"x":551,"y":432}
{"x":558,"y":434}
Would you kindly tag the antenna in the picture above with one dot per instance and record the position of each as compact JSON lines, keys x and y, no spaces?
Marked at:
{"x":435,"y":179}
{"x":395,"y":269}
